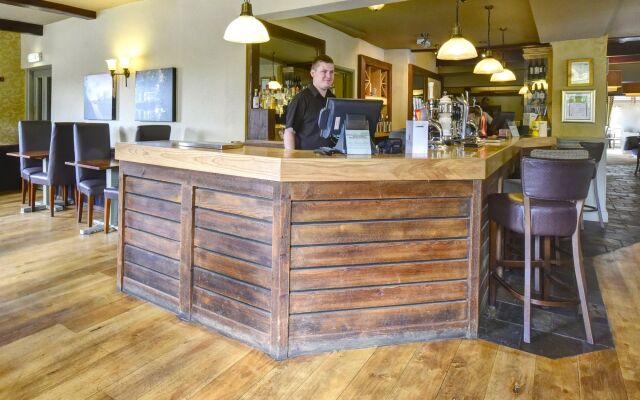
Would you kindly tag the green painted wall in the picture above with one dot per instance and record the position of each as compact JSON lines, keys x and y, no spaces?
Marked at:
{"x":12,"y":89}
{"x":595,"y":48}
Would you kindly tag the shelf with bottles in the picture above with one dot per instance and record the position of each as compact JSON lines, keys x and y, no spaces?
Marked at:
{"x":374,"y":82}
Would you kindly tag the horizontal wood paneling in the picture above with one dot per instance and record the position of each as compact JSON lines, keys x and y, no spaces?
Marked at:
{"x":246,"y":206}
{"x":151,"y":188}
{"x":231,"y":309}
{"x":249,"y":228}
{"x":235,"y":268}
{"x":156,"y":262}
{"x":361,"y":322}
{"x":245,"y":249}
{"x":357,"y":210}
{"x":343,"y":277}
{"x":378,"y":296}
{"x":234,"y":184}
{"x":150,"y":206}
{"x":150,"y":224}
{"x":153,"y":243}
{"x":244,"y":292}
{"x":349,"y":254}
{"x":376,"y":231}
{"x":151,"y":278}
{"x":380,"y":190}
{"x":231,"y":328}
{"x":148,"y":293}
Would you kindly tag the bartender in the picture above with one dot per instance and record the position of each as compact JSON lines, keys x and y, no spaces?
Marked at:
{"x":301,"y":123}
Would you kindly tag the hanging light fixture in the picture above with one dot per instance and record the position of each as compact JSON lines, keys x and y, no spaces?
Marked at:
{"x":524,"y":90}
{"x":506,"y":75}
{"x":273,"y":83}
{"x":246,"y":28}
{"x":488,"y":65}
{"x":376,"y":7}
{"x":457,"y":48}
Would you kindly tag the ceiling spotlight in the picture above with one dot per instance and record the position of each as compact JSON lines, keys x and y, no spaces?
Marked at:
{"x":376,"y":7}
{"x":424,"y":40}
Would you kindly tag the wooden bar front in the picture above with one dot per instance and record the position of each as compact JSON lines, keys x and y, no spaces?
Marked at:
{"x":294,"y":267}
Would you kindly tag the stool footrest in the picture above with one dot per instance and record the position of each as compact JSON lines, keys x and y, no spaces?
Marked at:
{"x":537,"y":302}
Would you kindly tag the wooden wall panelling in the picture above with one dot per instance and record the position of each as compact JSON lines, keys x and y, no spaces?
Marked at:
{"x":186,"y":250}
{"x":281,"y":266}
{"x":121,"y":228}
{"x":474,"y":259}
{"x":157,"y":262}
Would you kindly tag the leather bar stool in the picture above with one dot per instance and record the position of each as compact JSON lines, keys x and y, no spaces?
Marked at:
{"x":110,"y":193}
{"x":595,"y":149}
{"x":32,"y":135}
{"x":553,"y":193}
{"x":146,"y":133}
{"x":58,"y":174}
{"x":91,"y":142}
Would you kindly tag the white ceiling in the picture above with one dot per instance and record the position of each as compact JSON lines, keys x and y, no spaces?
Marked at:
{"x":38,"y":17}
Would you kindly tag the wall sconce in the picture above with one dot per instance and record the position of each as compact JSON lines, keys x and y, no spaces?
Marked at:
{"x":124,"y":64}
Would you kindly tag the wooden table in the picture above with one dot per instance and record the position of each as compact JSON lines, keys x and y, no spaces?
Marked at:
{"x":108,"y":165}
{"x":294,"y":252}
{"x":44,"y":156}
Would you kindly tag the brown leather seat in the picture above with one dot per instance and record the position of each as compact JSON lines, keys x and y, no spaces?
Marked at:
{"x":553,"y":193}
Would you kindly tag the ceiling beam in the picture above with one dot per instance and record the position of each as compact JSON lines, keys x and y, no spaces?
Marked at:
{"x":52,"y":7}
{"x":21,"y":27}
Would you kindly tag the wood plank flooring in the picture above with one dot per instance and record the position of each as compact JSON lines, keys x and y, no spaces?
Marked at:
{"x":66,"y":333}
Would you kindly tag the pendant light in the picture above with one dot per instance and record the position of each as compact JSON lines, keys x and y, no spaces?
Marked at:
{"x":246,"y":28}
{"x":273,"y":83}
{"x":488,"y":65}
{"x":457,"y":48}
{"x":506,"y":75}
{"x":524,"y":90}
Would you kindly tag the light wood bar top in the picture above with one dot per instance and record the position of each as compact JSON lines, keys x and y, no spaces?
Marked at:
{"x":451,"y":163}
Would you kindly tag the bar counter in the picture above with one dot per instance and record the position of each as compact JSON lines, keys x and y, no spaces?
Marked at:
{"x":294,"y":253}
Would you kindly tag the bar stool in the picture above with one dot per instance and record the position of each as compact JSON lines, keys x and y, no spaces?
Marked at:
{"x":32,"y":135}
{"x":91,"y":142}
{"x":553,"y":193}
{"x":595,"y":149}
{"x":110,"y":193}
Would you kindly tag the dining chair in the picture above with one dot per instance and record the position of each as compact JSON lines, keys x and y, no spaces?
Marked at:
{"x":91,"y":142}
{"x":58,"y":174}
{"x":32,"y":135}
{"x":146,"y":133}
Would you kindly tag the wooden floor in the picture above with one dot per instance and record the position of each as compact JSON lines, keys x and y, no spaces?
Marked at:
{"x":66,"y":333}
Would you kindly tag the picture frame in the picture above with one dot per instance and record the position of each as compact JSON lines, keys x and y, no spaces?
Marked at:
{"x":578,"y":106}
{"x":580,"y":72}
{"x":99,"y":98}
{"x":155,"y":95}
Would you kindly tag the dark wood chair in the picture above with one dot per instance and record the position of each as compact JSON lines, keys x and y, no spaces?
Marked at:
{"x":146,"y":133}
{"x":550,"y":205}
{"x":91,"y":142}
{"x":32,"y":135}
{"x":58,"y":174}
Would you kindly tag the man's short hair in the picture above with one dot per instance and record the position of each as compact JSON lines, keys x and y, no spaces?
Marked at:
{"x":321,"y":58}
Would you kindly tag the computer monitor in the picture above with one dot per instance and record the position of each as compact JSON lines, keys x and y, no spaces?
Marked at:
{"x":500,"y":121}
{"x":361,"y":114}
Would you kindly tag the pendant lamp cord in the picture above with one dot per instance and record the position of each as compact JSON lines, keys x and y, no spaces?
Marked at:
{"x":488,"y":26}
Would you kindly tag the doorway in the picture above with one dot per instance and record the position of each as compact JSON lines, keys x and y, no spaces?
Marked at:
{"x":39,"y":93}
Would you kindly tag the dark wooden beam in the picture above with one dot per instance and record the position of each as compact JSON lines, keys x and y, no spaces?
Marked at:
{"x":623,"y":49}
{"x":632,"y":58}
{"x":21,"y":27}
{"x":52,"y":7}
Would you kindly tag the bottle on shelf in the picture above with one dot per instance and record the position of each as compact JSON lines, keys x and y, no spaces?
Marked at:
{"x":255,"y":101}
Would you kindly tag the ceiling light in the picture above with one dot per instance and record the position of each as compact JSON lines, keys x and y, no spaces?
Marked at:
{"x":273,"y":83}
{"x":524,"y":90}
{"x":376,"y":7}
{"x":488,"y":65}
{"x":506,"y":75}
{"x":457,"y":48}
{"x":246,"y":28}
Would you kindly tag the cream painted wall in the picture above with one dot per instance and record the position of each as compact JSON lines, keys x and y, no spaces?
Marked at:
{"x":595,"y":48}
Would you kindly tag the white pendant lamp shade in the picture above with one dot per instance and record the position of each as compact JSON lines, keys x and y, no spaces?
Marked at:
{"x":457,"y":48}
{"x":274,"y":85}
{"x":505,"y":76}
{"x":524,"y":90}
{"x":246,"y":28}
{"x":488,"y":65}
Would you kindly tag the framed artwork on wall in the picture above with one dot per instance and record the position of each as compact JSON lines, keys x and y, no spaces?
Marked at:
{"x":580,"y":72}
{"x":99,"y":98}
{"x":156,"y":95}
{"x":578,"y":105}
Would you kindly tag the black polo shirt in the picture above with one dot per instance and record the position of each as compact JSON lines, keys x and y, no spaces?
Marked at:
{"x":302,"y":116}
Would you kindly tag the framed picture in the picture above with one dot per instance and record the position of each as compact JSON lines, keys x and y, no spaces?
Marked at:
{"x":156,"y":95}
{"x":99,"y":98}
{"x":580,"y":72}
{"x":578,"y":105}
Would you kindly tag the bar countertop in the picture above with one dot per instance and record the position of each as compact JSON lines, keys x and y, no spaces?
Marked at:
{"x":451,"y":163}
